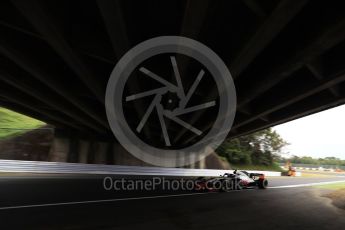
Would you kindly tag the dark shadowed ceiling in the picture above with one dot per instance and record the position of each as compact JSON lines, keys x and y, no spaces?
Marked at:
{"x":287,"y":58}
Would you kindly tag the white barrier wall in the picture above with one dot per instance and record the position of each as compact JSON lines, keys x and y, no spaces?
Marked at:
{"x":266,"y":173}
{"x":59,"y":167}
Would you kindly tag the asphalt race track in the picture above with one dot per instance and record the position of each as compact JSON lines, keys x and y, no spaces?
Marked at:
{"x":58,"y":202}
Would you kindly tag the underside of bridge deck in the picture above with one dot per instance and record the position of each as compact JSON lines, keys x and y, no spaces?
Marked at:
{"x":286,"y":57}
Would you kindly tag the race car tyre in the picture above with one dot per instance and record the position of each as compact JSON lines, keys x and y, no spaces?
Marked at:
{"x":263,"y":183}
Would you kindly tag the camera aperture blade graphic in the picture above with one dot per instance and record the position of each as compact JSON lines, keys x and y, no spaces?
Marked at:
{"x":172,"y":89}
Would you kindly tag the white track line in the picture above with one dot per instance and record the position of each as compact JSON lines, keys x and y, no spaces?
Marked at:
{"x":309,"y":184}
{"x":154,"y":197}
{"x":98,"y":201}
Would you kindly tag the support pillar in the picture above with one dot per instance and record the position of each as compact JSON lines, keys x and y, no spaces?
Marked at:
{"x":59,"y":150}
{"x":83,"y":151}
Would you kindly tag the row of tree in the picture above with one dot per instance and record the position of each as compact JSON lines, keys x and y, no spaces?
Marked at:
{"x":314,"y":161}
{"x":260,"y":148}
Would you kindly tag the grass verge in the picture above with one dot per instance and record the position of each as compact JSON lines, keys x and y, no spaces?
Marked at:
{"x":12,"y":123}
{"x":332,"y":186}
{"x":315,"y":175}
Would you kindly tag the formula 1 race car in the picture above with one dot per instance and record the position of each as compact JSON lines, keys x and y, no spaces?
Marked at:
{"x":248,"y":180}
{"x":232,"y":181}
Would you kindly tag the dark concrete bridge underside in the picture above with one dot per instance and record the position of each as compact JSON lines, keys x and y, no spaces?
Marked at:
{"x":286,"y":57}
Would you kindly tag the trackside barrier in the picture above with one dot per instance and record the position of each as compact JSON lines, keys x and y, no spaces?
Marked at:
{"x":298,"y":174}
{"x":266,"y":173}
{"x":78,"y":168}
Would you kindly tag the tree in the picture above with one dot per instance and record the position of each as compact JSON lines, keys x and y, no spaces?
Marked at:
{"x":260,"y":148}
